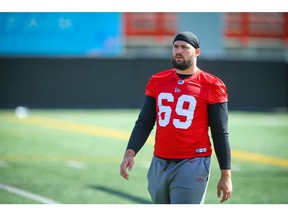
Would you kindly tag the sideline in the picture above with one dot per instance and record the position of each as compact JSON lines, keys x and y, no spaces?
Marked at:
{"x":121,"y":135}
{"x":27,"y":194}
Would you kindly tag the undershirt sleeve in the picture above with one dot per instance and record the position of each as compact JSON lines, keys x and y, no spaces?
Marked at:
{"x":218,"y":122}
{"x":144,"y":125}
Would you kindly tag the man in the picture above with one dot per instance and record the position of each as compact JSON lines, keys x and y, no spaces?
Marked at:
{"x":184,"y":102}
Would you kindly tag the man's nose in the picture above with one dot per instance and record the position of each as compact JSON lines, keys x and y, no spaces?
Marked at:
{"x":178,"y":51}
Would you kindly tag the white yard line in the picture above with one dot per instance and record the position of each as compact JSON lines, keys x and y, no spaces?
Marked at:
{"x":3,"y":164}
{"x":27,"y":194}
{"x":76,"y":164}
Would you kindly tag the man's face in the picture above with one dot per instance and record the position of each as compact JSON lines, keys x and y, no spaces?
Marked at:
{"x":183,"y":55}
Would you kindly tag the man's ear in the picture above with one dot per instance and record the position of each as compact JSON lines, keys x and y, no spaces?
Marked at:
{"x":197,"y":53}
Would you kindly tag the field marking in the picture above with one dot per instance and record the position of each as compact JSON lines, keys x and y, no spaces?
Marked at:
{"x":3,"y":164}
{"x":76,"y":164}
{"x":259,"y":158}
{"x":74,"y":127}
{"x":67,"y":159}
{"x":121,"y":135}
{"x":27,"y":194}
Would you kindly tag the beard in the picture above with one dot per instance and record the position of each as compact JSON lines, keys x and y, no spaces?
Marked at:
{"x":183,"y":65}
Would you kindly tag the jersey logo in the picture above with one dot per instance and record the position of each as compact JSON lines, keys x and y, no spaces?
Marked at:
{"x":200,"y":179}
{"x":201,"y":150}
{"x":177,"y":90}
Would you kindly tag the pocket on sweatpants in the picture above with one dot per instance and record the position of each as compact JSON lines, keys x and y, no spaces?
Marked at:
{"x":206,"y":162}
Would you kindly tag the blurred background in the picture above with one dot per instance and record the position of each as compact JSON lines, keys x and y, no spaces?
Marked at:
{"x":104,"y":60}
{"x":72,"y":84}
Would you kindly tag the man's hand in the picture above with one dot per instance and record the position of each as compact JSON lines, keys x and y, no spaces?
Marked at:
{"x":128,"y":162}
{"x":224,"y":185}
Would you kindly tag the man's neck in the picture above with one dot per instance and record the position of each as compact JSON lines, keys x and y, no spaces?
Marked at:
{"x":190,"y":71}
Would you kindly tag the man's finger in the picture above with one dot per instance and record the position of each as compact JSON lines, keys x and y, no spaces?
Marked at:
{"x":130,"y":166}
{"x":125,"y":175}
{"x":123,"y":171}
{"x":127,"y":165}
{"x":226,"y":196}
{"x":218,"y":192}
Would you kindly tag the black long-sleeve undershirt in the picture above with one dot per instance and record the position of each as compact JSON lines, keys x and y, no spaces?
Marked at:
{"x":218,"y":122}
{"x":144,"y":125}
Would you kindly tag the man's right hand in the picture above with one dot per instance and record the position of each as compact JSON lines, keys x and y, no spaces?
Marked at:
{"x":128,"y":162}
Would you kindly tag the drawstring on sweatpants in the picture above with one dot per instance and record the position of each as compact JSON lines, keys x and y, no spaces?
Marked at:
{"x":166,"y":164}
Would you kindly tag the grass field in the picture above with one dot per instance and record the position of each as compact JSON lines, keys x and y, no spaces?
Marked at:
{"x":73,"y":156}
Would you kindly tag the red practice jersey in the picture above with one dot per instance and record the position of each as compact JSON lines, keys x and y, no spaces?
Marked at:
{"x":182,"y":112}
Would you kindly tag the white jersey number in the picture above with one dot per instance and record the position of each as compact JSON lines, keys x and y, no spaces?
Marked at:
{"x":164,"y":113}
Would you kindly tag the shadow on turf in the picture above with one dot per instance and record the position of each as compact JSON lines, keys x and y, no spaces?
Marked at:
{"x":120,"y":194}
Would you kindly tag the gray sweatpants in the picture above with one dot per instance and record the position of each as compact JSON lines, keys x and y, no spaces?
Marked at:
{"x":183,"y":182}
